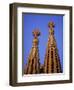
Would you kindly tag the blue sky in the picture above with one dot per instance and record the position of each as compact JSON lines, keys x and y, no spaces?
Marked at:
{"x":40,"y":21}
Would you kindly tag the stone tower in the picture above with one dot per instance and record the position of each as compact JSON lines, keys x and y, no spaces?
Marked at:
{"x":52,"y":60}
{"x":33,"y":65}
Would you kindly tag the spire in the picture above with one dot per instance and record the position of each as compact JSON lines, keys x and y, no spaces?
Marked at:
{"x":33,"y":65}
{"x":52,"y":59}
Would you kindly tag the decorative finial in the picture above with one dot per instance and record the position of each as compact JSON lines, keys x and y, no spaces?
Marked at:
{"x":36,"y":33}
{"x":51,"y":25}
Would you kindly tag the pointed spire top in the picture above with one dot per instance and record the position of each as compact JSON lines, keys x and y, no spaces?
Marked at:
{"x":51,"y":25}
{"x":36,"y":33}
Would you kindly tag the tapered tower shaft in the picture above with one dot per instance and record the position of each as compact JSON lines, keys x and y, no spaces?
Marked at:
{"x":33,"y":65}
{"x":52,"y":60}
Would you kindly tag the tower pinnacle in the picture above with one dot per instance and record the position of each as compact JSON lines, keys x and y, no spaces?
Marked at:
{"x":51,"y":25}
{"x":36,"y":33}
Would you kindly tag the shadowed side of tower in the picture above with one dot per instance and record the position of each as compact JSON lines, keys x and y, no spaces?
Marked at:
{"x":33,"y":65}
{"x":52,"y":60}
